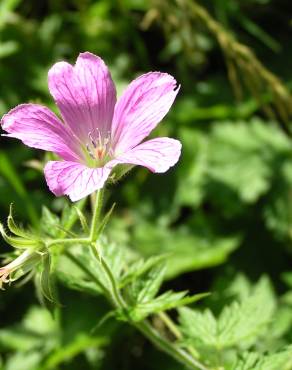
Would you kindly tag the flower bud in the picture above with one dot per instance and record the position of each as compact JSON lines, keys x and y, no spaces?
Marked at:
{"x":20,"y":266}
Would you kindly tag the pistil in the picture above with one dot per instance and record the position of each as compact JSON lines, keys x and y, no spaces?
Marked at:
{"x":97,"y":149}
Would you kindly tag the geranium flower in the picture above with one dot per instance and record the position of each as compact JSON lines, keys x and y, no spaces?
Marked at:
{"x":97,"y":132}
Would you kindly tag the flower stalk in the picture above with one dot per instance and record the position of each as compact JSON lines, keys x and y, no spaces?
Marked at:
{"x":94,"y":234}
{"x":30,"y":257}
{"x":118,"y":301}
{"x":144,"y":326}
{"x":98,"y":133}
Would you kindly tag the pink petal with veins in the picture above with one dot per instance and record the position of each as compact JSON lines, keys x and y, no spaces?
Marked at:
{"x":158,"y":155}
{"x":97,"y":133}
{"x":74,"y":179}
{"x":141,"y":107}
{"x":84,"y":93}
{"x":38,"y":127}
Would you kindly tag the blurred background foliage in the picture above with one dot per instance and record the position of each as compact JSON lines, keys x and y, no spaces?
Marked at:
{"x":223,"y":214}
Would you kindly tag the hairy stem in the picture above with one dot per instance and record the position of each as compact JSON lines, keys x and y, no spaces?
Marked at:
{"x":170,"y":325}
{"x":144,"y":326}
{"x":68,"y":241}
{"x":175,"y":331}
{"x":113,"y":294}
{"x":168,"y":347}
{"x":116,"y":298}
{"x":96,"y":215}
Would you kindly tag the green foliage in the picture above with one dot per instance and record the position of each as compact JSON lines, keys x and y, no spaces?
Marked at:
{"x":252,"y":361}
{"x":188,"y":248}
{"x":143,"y":287}
{"x":215,"y":223}
{"x":242,"y":157}
{"x":10,"y":174}
{"x":254,"y":321}
{"x":75,"y":278}
{"x":239,"y":323}
{"x":37,"y":342}
{"x":140,"y":280}
{"x":35,"y":337}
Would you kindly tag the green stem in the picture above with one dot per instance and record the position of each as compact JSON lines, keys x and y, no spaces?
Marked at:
{"x":168,"y":347}
{"x":117,"y":298}
{"x":144,"y":327}
{"x":114,"y":295}
{"x":115,"y":291}
{"x":94,"y":235}
{"x":170,"y":325}
{"x":68,"y":225}
{"x":176,"y":332}
{"x":68,"y":241}
{"x":96,"y":215}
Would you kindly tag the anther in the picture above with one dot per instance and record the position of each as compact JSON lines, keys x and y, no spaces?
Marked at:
{"x":91,"y":139}
{"x":89,"y":151}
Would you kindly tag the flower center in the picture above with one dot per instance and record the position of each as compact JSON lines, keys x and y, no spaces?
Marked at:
{"x":97,"y":149}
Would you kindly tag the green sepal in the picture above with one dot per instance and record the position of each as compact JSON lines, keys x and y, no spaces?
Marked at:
{"x":82,"y":219}
{"x":120,"y":172}
{"x":45,"y":279}
{"x":18,"y":242}
{"x":105,"y":220}
{"x":16,"y":230}
{"x":69,"y":215}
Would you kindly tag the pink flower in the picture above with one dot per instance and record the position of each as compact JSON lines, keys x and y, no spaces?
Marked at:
{"x":22,"y":264}
{"x":98,"y":132}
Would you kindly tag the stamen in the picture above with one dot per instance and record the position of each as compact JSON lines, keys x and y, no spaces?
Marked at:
{"x":89,"y":151}
{"x":99,"y":147}
{"x":91,"y":139}
{"x":99,"y":137}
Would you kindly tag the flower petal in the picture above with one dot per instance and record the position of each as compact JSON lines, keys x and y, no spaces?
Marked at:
{"x":85,"y":94}
{"x":158,"y":155}
{"x":74,"y":179}
{"x":38,"y":127}
{"x":141,"y":107}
